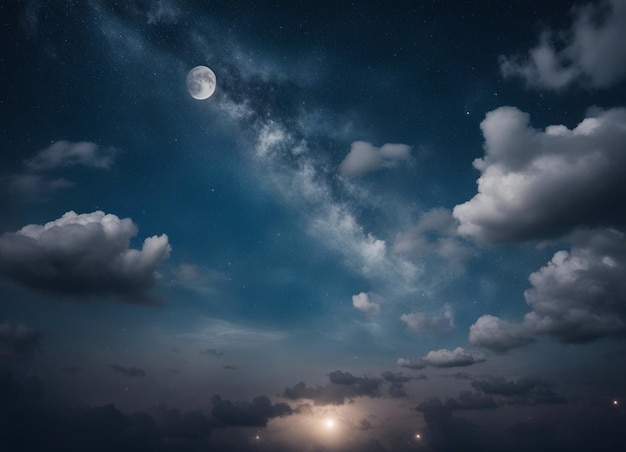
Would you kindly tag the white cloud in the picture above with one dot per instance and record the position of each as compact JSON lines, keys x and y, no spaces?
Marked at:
{"x":426,"y":323}
{"x":541,"y":184}
{"x":364,"y":158}
{"x":579,"y":296}
{"x":83,"y":255}
{"x":65,"y":153}
{"x":458,"y":357}
{"x":591,"y":52}
{"x":498,"y":335}
{"x":363,"y":303}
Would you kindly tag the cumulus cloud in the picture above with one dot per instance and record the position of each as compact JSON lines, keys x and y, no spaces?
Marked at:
{"x":592,"y":52}
{"x":538,"y":184}
{"x":83,"y":255}
{"x":579,"y":296}
{"x":364,"y":158}
{"x":458,"y":357}
{"x":17,"y":342}
{"x":364,"y":302}
{"x":426,"y":323}
{"x":497,"y":334}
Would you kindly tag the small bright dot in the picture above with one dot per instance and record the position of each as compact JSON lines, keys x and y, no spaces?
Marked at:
{"x":418,"y":436}
{"x":330,"y":423}
{"x":615,"y":402}
{"x":257,"y":437}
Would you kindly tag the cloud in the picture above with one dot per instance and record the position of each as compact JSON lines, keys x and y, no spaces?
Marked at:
{"x":362,"y":302}
{"x":415,"y":364}
{"x":34,"y":182}
{"x":222,"y":333}
{"x":425,"y":323}
{"x":471,"y":401}
{"x":212,"y":352}
{"x":578,"y":297}
{"x":458,"y":357}
{"x":343,"y":386}
{"x":498,"y":335}
{"x":65,"y":154}
{"x":542,"y":184}
{"x":397,"y":381}
{"x":523,"y":391}
{"x":82,"y":255}
{"x":455,"y":358}
{"x":29,"y":187}
{"x":104,"y":428}
{"x":128,"y":371}
{"x":592,"y":52}
{"x":364,"y":158}
{"x":435,"y":233}
{"x":17,"y":342}
{"x":246,"y":414}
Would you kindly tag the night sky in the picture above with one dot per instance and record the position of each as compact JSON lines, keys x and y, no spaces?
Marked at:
{"x":391,"y":227}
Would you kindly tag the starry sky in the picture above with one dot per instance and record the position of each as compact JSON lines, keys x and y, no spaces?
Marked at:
{"x":391,"y":227}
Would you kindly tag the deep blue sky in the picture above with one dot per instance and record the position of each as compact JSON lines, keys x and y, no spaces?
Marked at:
{"x":406,"y":220}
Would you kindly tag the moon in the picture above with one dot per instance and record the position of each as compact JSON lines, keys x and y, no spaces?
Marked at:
{"x":201,"y":82}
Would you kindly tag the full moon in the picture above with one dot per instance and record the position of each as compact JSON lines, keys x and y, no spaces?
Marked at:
{"x":201,"y":82}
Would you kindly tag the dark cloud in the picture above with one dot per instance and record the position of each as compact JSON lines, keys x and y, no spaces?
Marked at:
{"x":397,"y":381}
{"x":537,"y":184}
{"x":343,"y":386}
{"x":447,"y":433}
{"x":246,"y":414}
{"x":26,"y":409}
{"x":471,"y":401}
{"x":128,"y":371}
{"x":462,"y":376}
{"x":523,"y":391}
{"x":592,"y":52}
{"x":212,"y":352}
{"x":17,"y":342}
{"x":83,"y":255}
{"x":580,"y":296}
